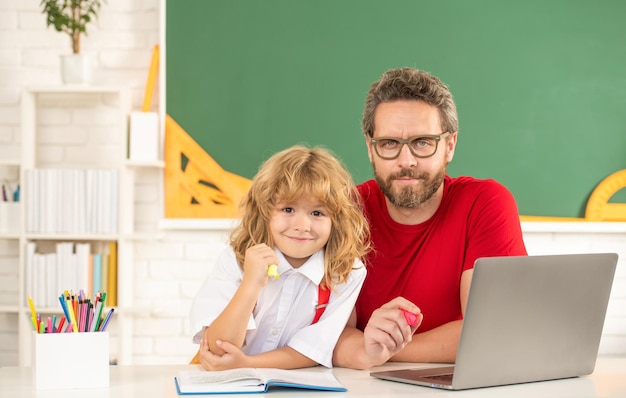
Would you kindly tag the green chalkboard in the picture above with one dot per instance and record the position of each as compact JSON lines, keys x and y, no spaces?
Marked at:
{"x":540,"y":85}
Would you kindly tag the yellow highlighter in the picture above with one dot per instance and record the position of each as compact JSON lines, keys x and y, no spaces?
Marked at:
{"x":33,"y":313}
{"x":70,"y":308}
{"x":272,"y":271}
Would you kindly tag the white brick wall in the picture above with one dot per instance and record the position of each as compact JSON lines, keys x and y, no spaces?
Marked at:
{"x":170,"y":265}
{"x":614,"y":332}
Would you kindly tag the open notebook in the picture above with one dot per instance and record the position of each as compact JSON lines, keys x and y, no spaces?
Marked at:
{"x":528,"y":318}
{"x":248,"y":380}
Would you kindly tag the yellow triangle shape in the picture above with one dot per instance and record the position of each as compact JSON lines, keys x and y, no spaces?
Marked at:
{"x":201,"y":188}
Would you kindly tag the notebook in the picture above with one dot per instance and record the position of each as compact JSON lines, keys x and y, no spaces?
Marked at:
{"x":253,"y":380}
{"x":528,"y":318}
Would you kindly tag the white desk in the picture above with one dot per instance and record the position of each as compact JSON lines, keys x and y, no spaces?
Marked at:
{"x":608,"y":381}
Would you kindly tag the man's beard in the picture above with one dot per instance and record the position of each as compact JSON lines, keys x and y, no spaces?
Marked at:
{"x":411,"y":197}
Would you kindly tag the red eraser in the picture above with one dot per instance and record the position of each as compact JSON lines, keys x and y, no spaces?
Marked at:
{"x":410,"y":317}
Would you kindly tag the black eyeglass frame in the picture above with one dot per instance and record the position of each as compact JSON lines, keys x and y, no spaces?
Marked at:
{"x":402,"y":142}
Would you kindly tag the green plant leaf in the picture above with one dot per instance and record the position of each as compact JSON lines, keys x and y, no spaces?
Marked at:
{"x":71,"y":17}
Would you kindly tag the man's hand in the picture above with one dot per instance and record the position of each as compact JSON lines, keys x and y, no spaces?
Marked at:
{"x":388,"y":332}
{"x":232,"y":358}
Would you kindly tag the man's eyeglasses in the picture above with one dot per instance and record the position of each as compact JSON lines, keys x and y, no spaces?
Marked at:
{"x":423,"y":146}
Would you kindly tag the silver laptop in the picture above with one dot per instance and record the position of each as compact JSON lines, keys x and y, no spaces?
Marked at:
{"x":528,"y":318}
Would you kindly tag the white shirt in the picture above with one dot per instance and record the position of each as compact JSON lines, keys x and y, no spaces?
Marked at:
{"x":285,"y":308}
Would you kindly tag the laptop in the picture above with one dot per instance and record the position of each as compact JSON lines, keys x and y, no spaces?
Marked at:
{"x":528,"y":318}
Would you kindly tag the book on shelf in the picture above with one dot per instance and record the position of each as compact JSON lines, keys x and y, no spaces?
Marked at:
{"x":251,"y":380}
{"x":82,"y":267}
{"x":73,"y":265}
{"x":97,"y":272}
{"x":112,"y":279}
{"x":72,"y":201}
{"x":104,"y":272}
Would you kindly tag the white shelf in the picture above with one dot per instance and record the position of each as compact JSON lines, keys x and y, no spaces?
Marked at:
{"x":574,"y":226}
{"x":198,"y":224}
{"x":227,"y":224}
{"x":46,"y":310}
{"x":145,"y":164}
{"x":29,"y":159}
{"x":9,"y":309}
{"x":72,"y":237}
{"x":144,"y":237}
{"x":76,"y":89}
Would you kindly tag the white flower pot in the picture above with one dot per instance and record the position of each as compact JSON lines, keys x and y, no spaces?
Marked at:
{"x":75,"y":69}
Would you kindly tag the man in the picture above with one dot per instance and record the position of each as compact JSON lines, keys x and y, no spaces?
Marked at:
{"x":427,"y":228}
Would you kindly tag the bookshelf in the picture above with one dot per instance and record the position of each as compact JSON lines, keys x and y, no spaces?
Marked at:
{"x":85,"y":129}
{"x":9,"y":257}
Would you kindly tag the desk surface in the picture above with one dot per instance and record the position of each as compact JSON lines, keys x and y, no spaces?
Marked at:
{"x":608,"y":381}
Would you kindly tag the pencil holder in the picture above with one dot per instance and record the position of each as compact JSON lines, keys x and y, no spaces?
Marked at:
{"x":71,"y":360}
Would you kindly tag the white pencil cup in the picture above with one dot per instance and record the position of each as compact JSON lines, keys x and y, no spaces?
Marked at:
{"x":71,"y":360}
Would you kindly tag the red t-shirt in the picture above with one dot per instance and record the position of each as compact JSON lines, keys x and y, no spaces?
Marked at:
{"x":423,"y":263}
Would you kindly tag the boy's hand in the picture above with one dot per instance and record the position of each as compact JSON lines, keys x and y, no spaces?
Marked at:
{"x":232,"y":358}
{"x":257,"y":259}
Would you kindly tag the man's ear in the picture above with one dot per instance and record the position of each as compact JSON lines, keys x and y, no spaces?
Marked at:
{"x":451,"y":146}
{"x":369,"y":147}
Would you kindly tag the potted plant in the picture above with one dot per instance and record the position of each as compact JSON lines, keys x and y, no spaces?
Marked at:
{"x":72,"y":17}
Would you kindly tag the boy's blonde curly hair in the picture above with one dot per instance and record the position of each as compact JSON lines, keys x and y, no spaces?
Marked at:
{"x":316,"y":173}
